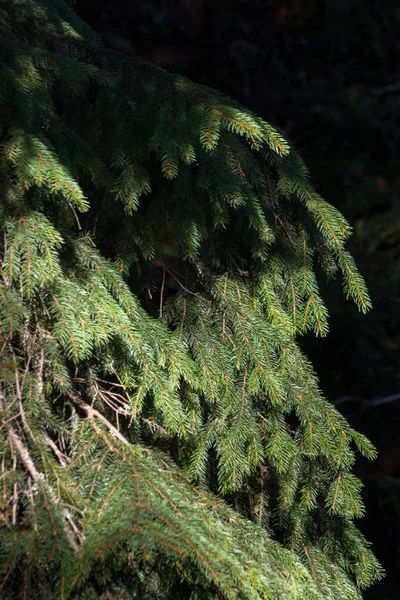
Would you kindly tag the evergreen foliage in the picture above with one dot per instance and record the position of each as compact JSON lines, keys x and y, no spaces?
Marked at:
{"x":163,"y":436}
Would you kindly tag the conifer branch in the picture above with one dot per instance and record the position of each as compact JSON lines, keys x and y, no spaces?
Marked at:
{"x":124,"y":411}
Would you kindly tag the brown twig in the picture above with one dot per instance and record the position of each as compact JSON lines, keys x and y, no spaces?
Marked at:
{"x":93,"y":413}
{"x":162,"y":293}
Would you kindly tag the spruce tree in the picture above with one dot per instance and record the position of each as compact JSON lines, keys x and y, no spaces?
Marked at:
{"x":162,"y":433}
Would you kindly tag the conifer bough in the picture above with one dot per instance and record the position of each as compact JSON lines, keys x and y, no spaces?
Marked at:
{"x":162,"y":434}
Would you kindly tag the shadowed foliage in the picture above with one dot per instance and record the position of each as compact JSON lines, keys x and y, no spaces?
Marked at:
{"x":161,"y":249}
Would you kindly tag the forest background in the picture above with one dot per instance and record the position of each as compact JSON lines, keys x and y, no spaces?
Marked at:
{"x":327,"y":73}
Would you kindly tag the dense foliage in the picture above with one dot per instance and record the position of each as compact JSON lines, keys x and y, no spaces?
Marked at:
{"x":160,"y":253}
{"x":327,"y":72}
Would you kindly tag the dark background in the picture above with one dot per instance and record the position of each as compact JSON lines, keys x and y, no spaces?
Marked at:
{"x":327,"y":73}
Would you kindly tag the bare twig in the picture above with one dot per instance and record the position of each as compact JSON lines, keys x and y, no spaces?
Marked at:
{"x":76,"y":216}
{"x":162,"y":293}
{"x":116,"y":401}
{"x":78,"y":533}
{"x":93,"y":413}
{"x":39,"y":479}
{"x":387,"y":89}
{"x":25,"y":456}
{"x":62,"y":459}
{"x":368,"y":403}
{"x":15,"y":491}
{"x":25,"y":422}
{"x":178,"y":281}
{"x":183,"y":319}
